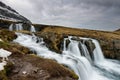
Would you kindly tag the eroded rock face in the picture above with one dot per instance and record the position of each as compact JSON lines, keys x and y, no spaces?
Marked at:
{"x":111,"y":48}
{"x":52,"y":40}
{"x":90,"y":46}
{"x":7,"y":13}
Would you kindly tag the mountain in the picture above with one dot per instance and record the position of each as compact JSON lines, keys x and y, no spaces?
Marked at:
{"x":117,"y":30}
{"x":9,"y":14}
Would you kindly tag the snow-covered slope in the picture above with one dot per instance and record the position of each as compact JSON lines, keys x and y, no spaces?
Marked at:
{"x":7,"y":13}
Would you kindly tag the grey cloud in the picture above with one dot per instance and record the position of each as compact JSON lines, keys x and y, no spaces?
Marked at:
{"x":92,"y":14}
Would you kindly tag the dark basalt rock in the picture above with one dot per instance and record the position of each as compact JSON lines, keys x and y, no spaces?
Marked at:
{"x":90,"y":46}
{"x":111,"y":48}
{"x":67,"y":42}
{"x":9,"y":16}
{"x":9,"y":13}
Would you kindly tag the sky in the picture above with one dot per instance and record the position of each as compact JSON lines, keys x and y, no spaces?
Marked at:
{"x":88,"y":14}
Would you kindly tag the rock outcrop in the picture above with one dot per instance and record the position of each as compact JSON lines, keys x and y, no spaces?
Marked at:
{"x":7,"y":13}
{"x":9,"y":16}
{"x":52,"y":40}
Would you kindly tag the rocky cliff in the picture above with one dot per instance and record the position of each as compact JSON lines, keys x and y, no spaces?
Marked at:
{"x":7,"y":13}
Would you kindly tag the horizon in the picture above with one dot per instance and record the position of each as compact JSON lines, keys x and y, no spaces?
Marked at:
{"x":94,"y":14}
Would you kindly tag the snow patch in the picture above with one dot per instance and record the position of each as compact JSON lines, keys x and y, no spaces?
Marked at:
{"x":4,"y":54}
{"x":2,"y":65}
{"x":7,"y":10}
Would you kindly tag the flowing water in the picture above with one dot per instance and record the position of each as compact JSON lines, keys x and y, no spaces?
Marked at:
{"x":11,"y":27}
{"x":16,"y":27}
{"x":32,"y":29}
{"x":19,"y":27}
{"x":99,"y":69}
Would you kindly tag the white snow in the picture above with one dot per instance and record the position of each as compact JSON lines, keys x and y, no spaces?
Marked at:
{"x":4,"y":54}
{"x":5,"y":9}
{"x":8,"y":18}
{"x":2,"y":65}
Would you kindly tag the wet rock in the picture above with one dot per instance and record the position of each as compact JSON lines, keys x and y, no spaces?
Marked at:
{"x":90,"y":46}
{"x":81,"y":49}
{"x":67,"y":42}
{"x":111,"y":48}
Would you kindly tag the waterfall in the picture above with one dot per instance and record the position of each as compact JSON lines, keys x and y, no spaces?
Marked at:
{"x":98,"y":54}
{"x":72,"y":58}
{"x":86,"y":52}
{"x":32,"y":29}
{"x":108,"y":65}
{"x":11,"y":27}
{"x":73,"y":48}
{"x":17,"y":27}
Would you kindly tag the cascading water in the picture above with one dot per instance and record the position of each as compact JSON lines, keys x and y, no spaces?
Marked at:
{"x":112,"y":67}
{"x":98,"y":55}
{"x":32,"y":29}
{"x":19,"y":27}
{"x":79,"y":64}
{"x":11,"y":27}
{"x":16,"y":27}
{"x":85,"y":51}
{"x":72,"y":58}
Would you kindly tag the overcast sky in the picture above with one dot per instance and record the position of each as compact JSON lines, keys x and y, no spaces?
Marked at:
{"x":90,"y":14}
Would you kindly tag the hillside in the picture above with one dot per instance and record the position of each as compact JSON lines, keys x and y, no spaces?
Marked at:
{"x":7,"y":13}
{"x":117,"y":31}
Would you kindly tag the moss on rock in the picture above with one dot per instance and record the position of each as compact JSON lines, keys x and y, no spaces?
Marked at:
{"x":7,"y":36}
{"x":5,"y":73}
{"x":53,"y":40}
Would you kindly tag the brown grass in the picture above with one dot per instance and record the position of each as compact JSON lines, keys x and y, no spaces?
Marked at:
{"x":51,"y":66}
{"x":84,"y":32}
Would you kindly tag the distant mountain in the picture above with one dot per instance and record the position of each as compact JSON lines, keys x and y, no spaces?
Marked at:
{"x":118,"y":30}
{"x":7,"y":13}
